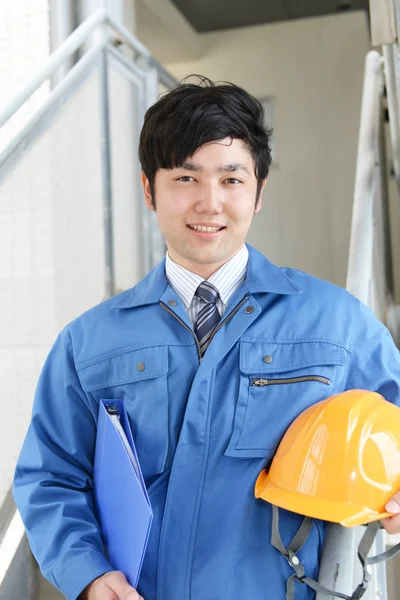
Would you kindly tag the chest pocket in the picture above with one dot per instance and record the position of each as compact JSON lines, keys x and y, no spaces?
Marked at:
{"x":278,"y":382}
{"x":139,"y":378}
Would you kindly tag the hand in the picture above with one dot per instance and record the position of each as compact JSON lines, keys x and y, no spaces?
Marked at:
{"x":111,"y":586}
{"x":392,"y":524}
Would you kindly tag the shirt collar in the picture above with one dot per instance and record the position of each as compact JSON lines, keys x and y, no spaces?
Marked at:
{"x":227,"y":279}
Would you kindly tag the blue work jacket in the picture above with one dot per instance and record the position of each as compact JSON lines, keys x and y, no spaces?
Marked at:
{"x":203,"y":433}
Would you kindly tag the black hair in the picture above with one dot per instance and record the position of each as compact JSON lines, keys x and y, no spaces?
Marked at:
{"x":193,"y":114}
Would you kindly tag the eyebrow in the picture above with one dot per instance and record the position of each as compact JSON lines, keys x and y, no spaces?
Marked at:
{"x":188,"y":166}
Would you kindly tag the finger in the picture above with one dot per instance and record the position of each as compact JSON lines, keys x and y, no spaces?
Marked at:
{"x":121,"y":586}
{"x":100,"y":590}
{"x":393,"y":505}
{"x":392,"y":524}
{"x":117,"y":584}
{"x":105,"y":593}
{"x":131,"y":595}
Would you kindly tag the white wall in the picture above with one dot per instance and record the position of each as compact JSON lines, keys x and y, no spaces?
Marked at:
{"x":314,"y":70}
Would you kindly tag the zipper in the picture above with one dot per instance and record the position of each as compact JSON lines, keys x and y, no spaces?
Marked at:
{"x":263,"y":382}
{"x":219,"y":326}
{"x":185,"y":326}
{"x":232,"y":314}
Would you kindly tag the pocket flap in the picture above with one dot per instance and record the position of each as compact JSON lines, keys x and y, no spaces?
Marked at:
{"x":264,"y":357}
{"x":127,"y":367}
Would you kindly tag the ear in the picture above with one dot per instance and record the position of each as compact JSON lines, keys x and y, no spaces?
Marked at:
{"x":147,"y":192}
{"x":259,"y":203}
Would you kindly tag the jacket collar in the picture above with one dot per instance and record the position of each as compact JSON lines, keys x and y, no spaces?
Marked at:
{"x":262,"y":276}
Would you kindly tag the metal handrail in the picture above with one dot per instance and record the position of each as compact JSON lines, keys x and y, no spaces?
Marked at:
{"x":164,"y":77}
{"x":71,"y":45}
{"x":127,"y":37}
{"x":392,"y":89}
{"x":64,"y":51}
{"x":58,"y":91}
{"x":360,"y":253}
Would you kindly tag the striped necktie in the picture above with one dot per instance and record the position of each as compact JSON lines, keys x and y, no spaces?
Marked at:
{"x":208,"y":315}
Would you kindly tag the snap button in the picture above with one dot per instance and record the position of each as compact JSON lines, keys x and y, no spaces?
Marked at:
{"x":295,"y":561}
{"x":172,"y":302}
{"x":268,"y":359}
{"x":249,"y":309}
{"x":140,"y":367}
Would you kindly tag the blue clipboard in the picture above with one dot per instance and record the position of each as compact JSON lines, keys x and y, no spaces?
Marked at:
{"x":121,"y":500}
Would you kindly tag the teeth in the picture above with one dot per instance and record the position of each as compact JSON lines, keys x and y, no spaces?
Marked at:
{"x":205,"y":229}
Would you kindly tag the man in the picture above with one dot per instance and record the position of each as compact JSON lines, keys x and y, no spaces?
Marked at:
{"x":184,"y":349}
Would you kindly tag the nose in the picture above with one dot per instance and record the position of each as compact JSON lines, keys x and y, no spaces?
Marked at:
{"x":209,"y":199}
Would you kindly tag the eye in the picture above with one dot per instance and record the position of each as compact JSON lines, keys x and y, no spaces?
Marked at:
{"x":185,"y":178}
{"x":232,"y":180}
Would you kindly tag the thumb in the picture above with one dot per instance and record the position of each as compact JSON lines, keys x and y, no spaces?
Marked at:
{"x":122,"y":588}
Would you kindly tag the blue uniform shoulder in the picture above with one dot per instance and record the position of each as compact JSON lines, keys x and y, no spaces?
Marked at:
{"x":322,"y":289}
{"x":98,"y":312}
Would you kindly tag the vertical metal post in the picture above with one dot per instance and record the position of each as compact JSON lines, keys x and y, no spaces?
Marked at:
{"x":107,"y":180}
{"x":150,"y":231}
{"x":380,"y":578}
{"x":146,"y":262}
{"x":361,"y":240}
{"x":383,"y":22}
{"x":157,"y":245}
{"x":391,"y":56}
{"x":62,"y":24}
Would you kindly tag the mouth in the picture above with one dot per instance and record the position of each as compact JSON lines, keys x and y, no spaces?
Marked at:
{"x":206,"y":229}
{"x":206,"y":233}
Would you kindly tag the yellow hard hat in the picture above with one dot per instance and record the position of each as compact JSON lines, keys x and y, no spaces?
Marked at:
{"x":338,"y":461}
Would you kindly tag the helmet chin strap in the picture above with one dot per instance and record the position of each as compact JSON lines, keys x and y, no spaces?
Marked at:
{"x":290,"y":554}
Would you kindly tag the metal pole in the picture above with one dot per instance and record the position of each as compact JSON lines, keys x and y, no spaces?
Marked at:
{"x":127,"y":37}
{"x":153,"y":239}
{"x":164,"y":77}
{"x":107,"y":181}
{"x":392,"y":74}
{"x":383,"y":22}
{"x":62,"y":24}
{"x":339,"y":553}
{"x":361,"y":241}
{"x":147,"y":99}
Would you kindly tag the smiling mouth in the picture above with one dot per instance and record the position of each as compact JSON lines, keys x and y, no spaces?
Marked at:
{"x":203,"y":229}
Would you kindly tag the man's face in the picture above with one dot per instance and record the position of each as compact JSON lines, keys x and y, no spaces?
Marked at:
{"x":215,"y":188}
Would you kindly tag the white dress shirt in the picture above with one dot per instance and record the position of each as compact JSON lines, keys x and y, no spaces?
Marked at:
{"x":227,"y":280}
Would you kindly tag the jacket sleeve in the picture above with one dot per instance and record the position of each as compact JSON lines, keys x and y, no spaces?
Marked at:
{"x":53,"y":478}
{"x":375,"y":359}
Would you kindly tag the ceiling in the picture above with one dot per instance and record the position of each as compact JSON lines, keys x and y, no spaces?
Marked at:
{"x":209,"y":15}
